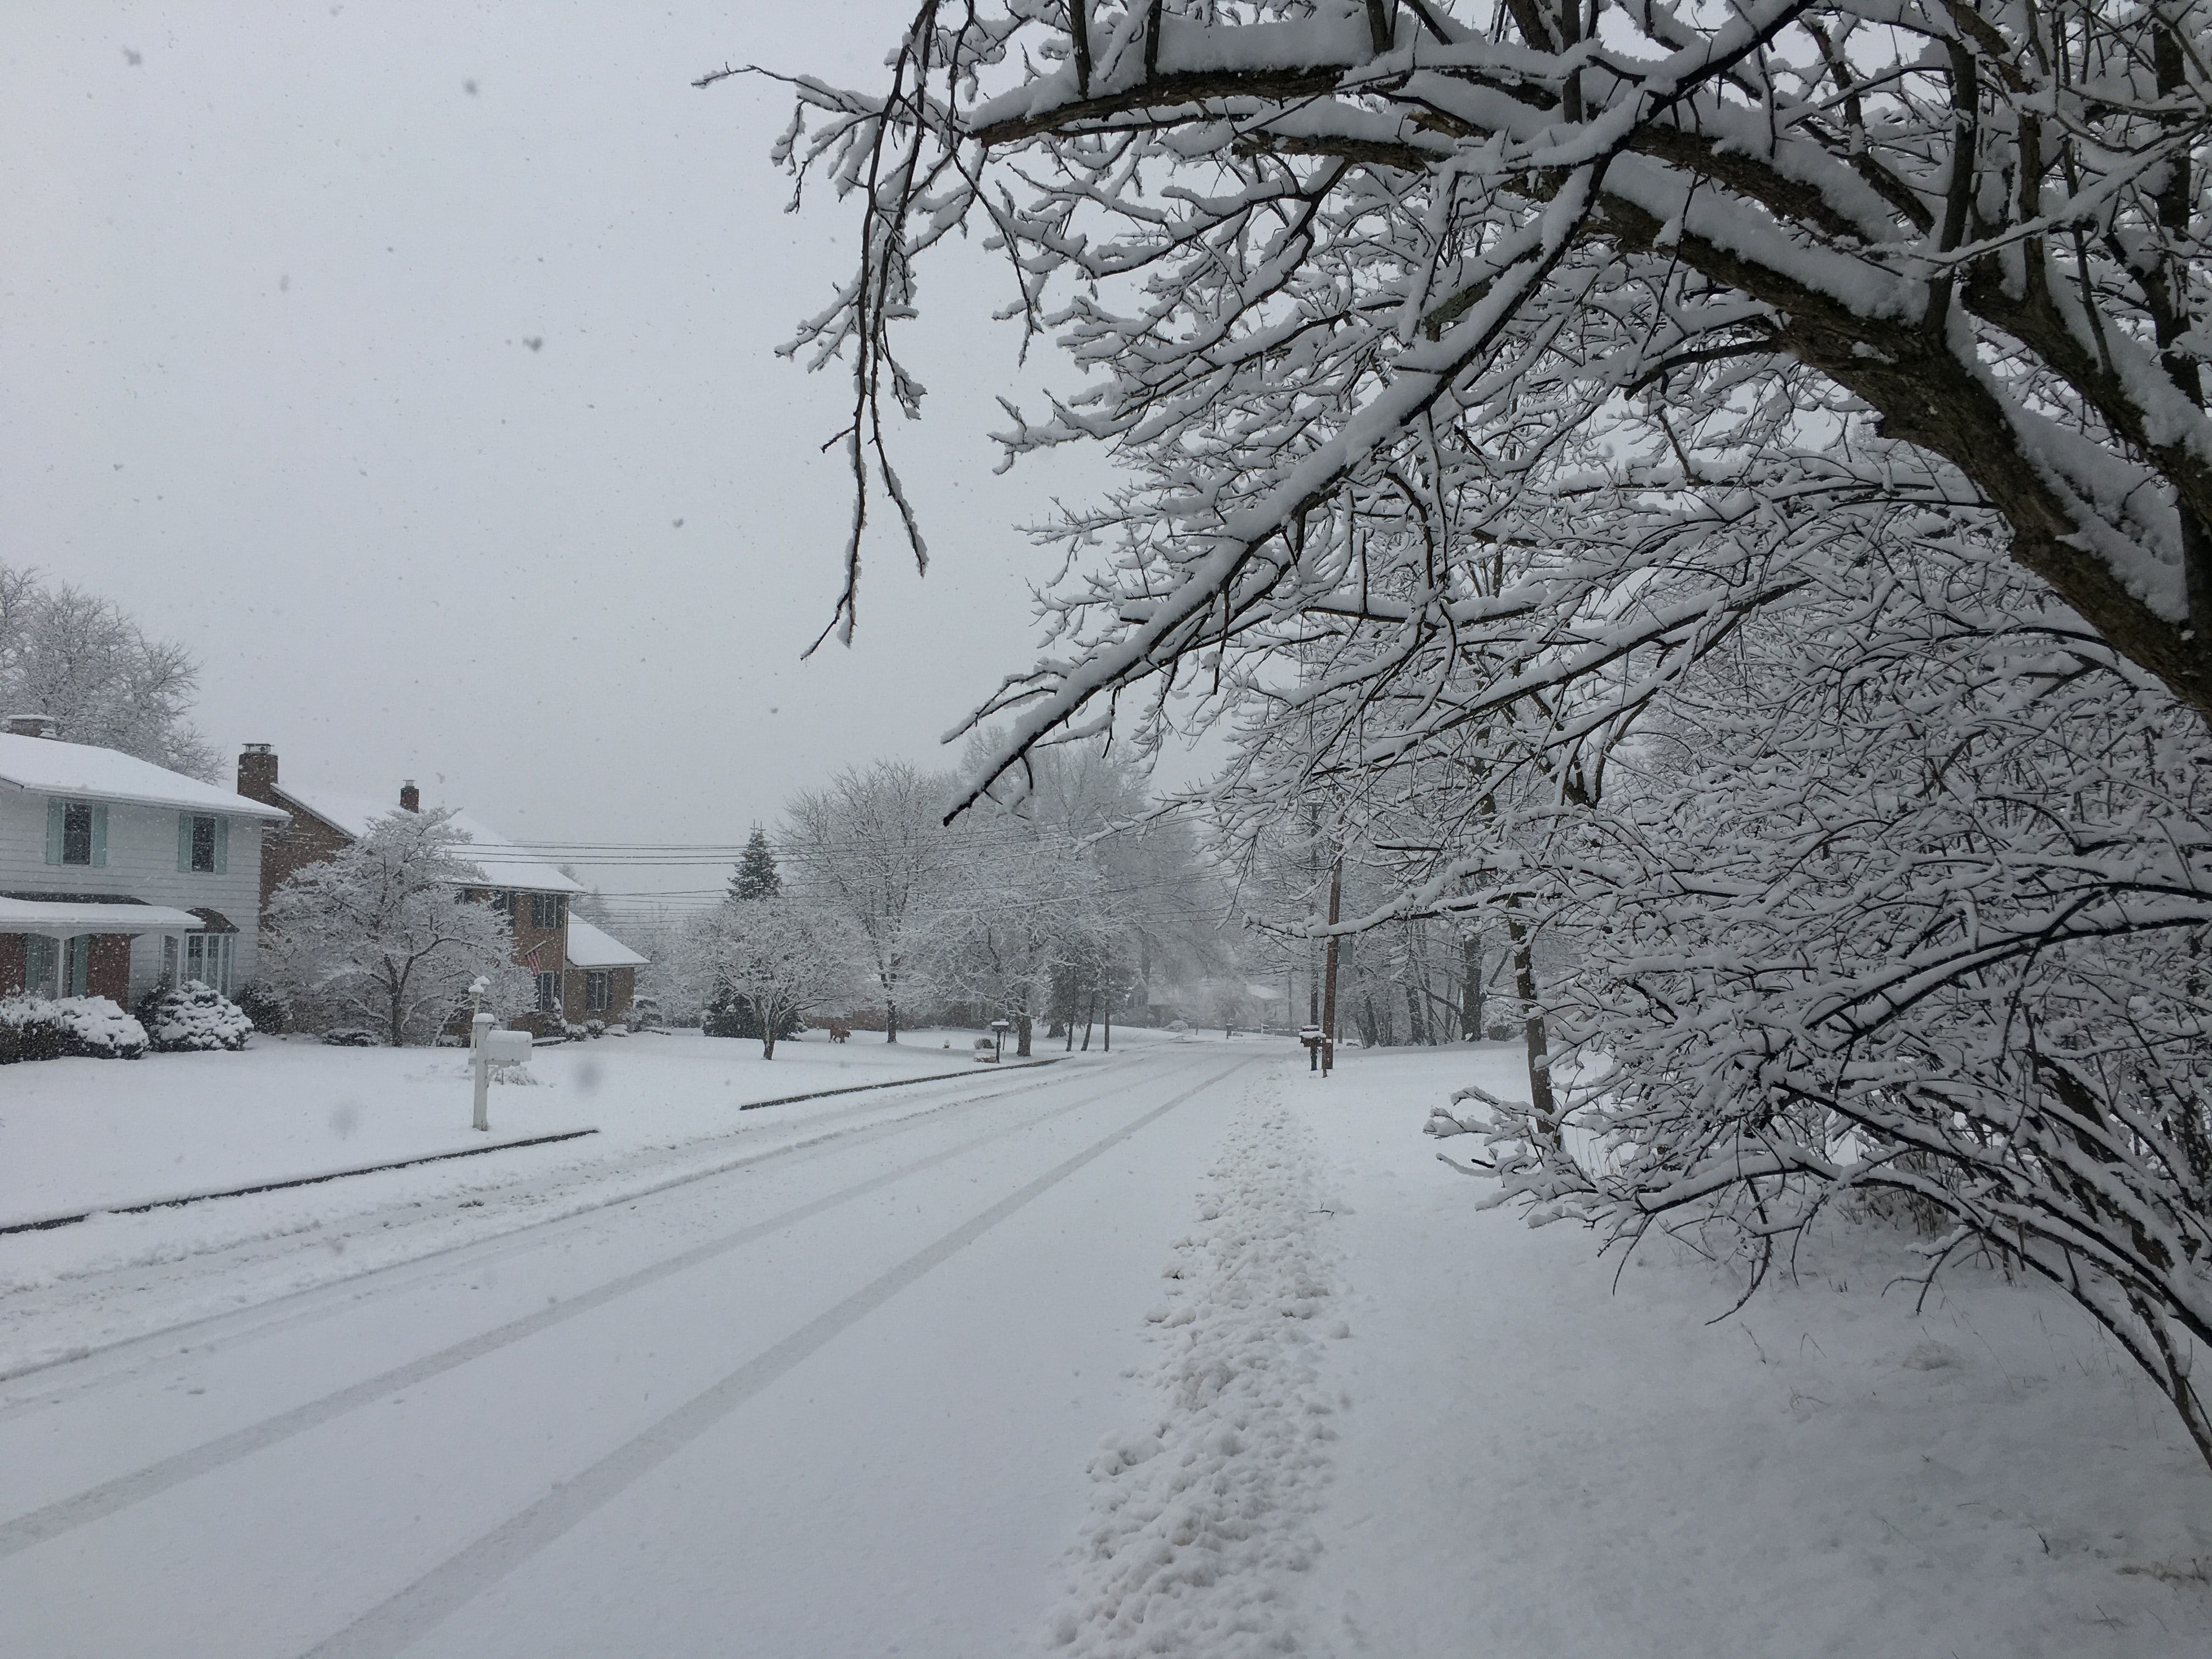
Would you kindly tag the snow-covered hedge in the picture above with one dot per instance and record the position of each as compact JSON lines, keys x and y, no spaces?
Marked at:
{"x":192,"y":1016}
{"x":40,"y":1027}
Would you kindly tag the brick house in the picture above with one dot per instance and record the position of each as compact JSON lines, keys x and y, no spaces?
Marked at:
{"x":601,"y":981}
{"x":118,"y":875}
{"x":534,"y":895}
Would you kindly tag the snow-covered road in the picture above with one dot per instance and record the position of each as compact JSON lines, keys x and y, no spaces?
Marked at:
{"x":833,"y":1401}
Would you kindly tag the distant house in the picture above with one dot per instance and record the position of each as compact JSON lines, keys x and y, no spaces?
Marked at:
{"x":1231,"y":1003}
{"x":602,"y":977}
{"x":534,"y":895}
{"x":118,"y":875}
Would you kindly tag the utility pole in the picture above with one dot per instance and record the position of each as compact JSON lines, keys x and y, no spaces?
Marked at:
{"x":1313,"y":866}
{"x":1329,"y":995}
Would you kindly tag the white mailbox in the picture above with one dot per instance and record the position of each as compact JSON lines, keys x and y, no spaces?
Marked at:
{"x":506,"y":1047}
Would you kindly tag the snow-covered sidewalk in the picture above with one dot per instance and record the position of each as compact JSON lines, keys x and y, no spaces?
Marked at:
{"x":1384,"y":1422}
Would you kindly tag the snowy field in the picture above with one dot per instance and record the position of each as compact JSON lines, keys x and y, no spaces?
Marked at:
{"x":1182,"y":1352}
{"x":78,"y":1134}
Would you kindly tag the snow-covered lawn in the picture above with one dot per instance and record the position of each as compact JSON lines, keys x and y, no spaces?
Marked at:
{"x":78,"y":1134}
{"x":1389,"y":1423}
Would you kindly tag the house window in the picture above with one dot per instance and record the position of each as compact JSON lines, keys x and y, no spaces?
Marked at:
{"x":599,"y":992}
{"x":546,"y":909}
{"x":209,"y":958}
{"x":548,"y":993}
{"x":39,"y":955}
{"x":76,"y":833}
{"x":202,"y":843}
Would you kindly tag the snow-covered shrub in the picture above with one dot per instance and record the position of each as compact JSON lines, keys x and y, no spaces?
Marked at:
{"x":192,"y":1017}
{"x":40,"y":1027}
{"x":351,"y":1036}
{"x":267,"y":1010}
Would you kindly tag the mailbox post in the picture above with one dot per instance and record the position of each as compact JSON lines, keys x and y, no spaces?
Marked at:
{"x":998,"y":1029}
{"x":479,"y":1029}
{"x":479,"y":1063}
{"x":1320,"y":1053}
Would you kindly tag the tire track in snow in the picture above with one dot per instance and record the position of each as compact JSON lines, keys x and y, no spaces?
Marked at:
{"x":395,"y":1624}
{"x":1200,"y":1519}
{"x":81,"y":1509}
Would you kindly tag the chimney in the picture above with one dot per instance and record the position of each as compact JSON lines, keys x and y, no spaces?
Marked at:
{"x":257,"y":773}
{"x":410,"y":798}
{"x":32,"y":726}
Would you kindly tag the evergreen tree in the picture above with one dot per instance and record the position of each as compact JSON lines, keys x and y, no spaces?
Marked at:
{"x":756,"y":878}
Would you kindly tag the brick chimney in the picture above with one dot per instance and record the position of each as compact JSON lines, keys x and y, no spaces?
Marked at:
{"x":257,"y":773}
{"x":410,"y":798}
{"x":31,"y":725}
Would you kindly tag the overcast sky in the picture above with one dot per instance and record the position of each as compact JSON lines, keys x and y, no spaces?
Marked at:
{"x":414,"y":365}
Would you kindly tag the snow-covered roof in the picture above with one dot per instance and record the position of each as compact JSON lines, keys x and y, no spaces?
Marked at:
{"x":85,"y":772}
{"x":590,"y":948}
{"x":497,"y":860}
{"x":63,"y":918}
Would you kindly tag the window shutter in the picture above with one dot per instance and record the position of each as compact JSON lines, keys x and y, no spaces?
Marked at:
{"x":56,"y":815}
{"x":184,"y":840}
{"x":100,"y":835}
{"x":223,"y":847}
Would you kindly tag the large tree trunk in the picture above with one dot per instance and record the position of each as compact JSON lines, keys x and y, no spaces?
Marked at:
{"x":1417,"y":989}
{"x":890,"y":1019}
{"x":1022,"y":1024}
{"x":1470,"y":988}
{"x":1090,"y":1017}
{"x":1532,"y":1029}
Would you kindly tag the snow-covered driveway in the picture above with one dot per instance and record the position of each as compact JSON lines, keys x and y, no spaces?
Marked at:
{"x":834,"y":1400}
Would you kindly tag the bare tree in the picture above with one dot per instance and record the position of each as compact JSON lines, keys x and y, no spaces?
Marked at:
{"x":1029,"y":904}
{"x":872,"y":846}
{"x":1503,"y":387}
{"x":80,"y":659}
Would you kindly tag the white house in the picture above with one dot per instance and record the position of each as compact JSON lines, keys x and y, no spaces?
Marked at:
{"x":117,"y":874}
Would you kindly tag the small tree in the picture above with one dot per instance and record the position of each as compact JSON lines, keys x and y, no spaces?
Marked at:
{"x":755,"y":877}
{"x":382,"y":936}
{"x":776,"y":958}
